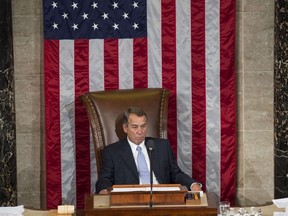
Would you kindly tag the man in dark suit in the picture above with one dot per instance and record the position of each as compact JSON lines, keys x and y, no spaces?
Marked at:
{"x":119,"y":160}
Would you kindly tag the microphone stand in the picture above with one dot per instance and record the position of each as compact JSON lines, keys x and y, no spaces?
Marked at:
{"x":150,"y":146}
{"x":151,"y":179}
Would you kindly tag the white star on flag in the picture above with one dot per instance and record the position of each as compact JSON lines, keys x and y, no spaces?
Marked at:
{"x":65,"y":15}
{"x":94,"y":5}
{"x":125,"y":15}
{"x":85,"y":16}
{"x":115,"y":5}
{"x":95,"y":26}
{"x":54,"y":5}
{"x":115,"y":26}
{"x":75,"y":26}
{"x":74,"y":5}
{"x":105,"y":16}
{"x":135,"y":4}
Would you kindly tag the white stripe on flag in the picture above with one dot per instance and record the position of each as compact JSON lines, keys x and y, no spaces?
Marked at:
{"x":184,"y":99}
{"x":154,"y":43}
{"x":67,"y":119}
{"x":96,"y":83}
{"x":125,"y":63}
{"x":213,"y":127}
{"x":96,"y":67}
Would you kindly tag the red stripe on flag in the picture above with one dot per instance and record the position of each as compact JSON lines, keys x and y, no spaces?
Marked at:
{"x":228,"y":100}
{"x":52,"y":114}
{"x":168,"y":18}
{"x":198,"y":90}
{"x":82,"y":144}
{"x":111,"y":64}
{"x":140,"y":63}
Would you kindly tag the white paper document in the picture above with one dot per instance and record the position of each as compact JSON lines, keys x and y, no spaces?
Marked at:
{"x":131,"y":189}
{"x":281,"y":203}
{"x":280,"y":214}
{"x":135,"y":189}
{"x":12,"y":211}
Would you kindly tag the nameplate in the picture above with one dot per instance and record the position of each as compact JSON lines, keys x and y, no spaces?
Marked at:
{"x":193,"y":198}
{"x":101,"y":201}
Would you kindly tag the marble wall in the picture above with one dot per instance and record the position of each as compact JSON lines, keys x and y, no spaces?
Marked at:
{"x":28,"y":36}
{"x":8,"y":173}
{"x":281,"y":99}
{"x":255,"y":43}
{"x":255,"y":40}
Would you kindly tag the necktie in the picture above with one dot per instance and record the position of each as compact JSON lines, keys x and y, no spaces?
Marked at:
{"x":142,"y":167}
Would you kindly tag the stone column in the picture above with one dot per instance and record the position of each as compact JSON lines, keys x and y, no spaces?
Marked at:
{"x":8,"y":194}
{"x":281,"y":99}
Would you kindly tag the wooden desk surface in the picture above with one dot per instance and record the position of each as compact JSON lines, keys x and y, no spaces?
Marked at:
{"x":210,"y":210}
{"x":266,"y":211}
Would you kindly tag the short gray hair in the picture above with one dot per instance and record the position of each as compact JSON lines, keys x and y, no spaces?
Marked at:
{"x":133,"y":110}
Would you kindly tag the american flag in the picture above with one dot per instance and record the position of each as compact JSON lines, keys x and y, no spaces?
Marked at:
{"x":186,"y":46}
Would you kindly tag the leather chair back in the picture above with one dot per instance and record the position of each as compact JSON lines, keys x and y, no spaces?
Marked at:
{"x":105,"y":111}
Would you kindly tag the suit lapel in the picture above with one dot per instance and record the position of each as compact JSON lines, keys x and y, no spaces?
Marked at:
{"x":128,"y":158}
{"x":155,"y":161}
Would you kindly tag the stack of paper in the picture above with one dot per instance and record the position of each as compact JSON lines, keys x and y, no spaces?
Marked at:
{"x":12,"y":211}
{"x":280,"y":214}
{"x":281,"y":203}
{"x":133,"y":189}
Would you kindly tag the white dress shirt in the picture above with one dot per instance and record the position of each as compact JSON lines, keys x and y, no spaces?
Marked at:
{"x":145,"y":153}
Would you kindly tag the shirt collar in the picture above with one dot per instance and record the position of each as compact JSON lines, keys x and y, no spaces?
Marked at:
{"x":134,"y":146}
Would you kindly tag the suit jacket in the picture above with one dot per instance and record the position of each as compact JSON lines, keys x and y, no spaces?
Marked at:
{"x":119,"y":167}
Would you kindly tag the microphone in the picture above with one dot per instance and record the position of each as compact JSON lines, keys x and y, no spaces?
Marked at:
{"x":150,"y":146}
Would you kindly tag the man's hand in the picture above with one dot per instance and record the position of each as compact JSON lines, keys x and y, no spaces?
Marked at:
{"x":196,"y":187}
{"x":104,"y":191}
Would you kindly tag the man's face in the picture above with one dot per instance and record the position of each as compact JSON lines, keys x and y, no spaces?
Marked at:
{"x":136,"y":128}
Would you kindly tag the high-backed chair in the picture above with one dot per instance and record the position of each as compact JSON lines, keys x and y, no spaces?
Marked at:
{"x":105,"y":111}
